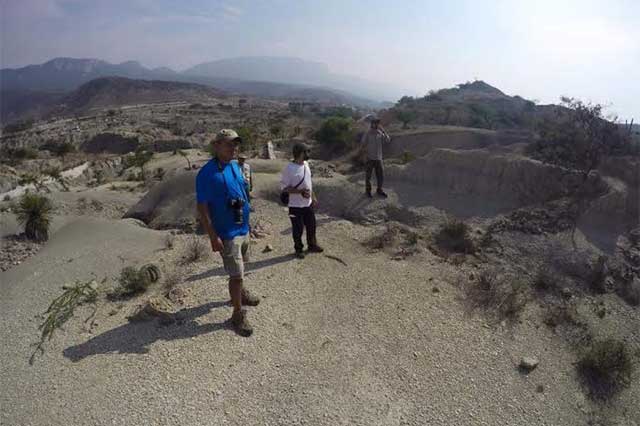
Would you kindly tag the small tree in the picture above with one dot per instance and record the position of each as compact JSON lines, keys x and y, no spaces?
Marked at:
{"x":336,"y":133}
{"x":34,"y":213}
{"x":578,"y":137}
{"x":248,"y":138}
{"x":139,"y":159}
{"x":405,"y":116}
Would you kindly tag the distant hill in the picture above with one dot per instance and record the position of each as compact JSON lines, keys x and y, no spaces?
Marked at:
{"x":65,"y":74}
{"x":474,"y":104}
{"x":292,"y":71}
{"x":102,"y":92}
{"x":32,"y":88}
{"x":26,"y":104}
{"x":117,"y":91}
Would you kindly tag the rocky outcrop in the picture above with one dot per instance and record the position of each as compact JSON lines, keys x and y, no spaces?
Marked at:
{"x":169,"y":204}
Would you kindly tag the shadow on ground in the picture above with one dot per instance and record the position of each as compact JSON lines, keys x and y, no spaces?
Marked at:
{"x":251,"y":266}
{"x":135,"y":337}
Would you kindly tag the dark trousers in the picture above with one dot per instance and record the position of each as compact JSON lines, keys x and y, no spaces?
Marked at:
{"x":377,"y":165}
{"x":301,"y":218}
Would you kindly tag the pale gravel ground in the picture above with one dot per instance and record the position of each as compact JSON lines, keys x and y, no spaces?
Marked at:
{"x":365,"y":344}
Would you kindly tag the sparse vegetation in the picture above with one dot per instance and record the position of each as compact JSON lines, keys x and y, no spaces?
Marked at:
{"x":559,"y":314}
{"x":169,"y":241}
{"x":134,"y":280}
{"x":336,"y":133}
{"x":194,"y":250}
{"x":185,"y":155}
{"x":55,"y":174}
{"x":605,"y":368}
{"x":34,"y":213}
{"x":501,"y":297}
{"x":407,"y":157}
{"x":62,"y":308}
{"x":405,"y":116}
{"x":579,"y":137}
{"x":139,"y":159}
{"x":17,"y":155}
{"x":455,"y":236}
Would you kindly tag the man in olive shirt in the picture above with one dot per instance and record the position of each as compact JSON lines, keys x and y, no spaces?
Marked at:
{"x":372,"y":141}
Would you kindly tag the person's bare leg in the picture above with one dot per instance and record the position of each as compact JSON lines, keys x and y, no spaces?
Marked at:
{"x":235,"y":292}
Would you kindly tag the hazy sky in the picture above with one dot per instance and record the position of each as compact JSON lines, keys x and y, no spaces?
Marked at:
{"x":538,"y":49}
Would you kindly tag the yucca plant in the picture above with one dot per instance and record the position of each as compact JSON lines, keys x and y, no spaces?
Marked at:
{"x":34,"y":213}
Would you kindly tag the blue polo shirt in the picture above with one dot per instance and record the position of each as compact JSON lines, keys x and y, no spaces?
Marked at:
{"x":216,"y":184}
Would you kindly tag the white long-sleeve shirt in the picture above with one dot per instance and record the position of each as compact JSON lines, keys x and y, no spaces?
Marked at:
{"x":291,"y":175}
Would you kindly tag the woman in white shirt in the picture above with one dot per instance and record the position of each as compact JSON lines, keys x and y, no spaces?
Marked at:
{"x":296,"y":180}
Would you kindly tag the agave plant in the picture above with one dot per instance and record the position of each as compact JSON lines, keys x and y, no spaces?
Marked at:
{"x":34,"y":212}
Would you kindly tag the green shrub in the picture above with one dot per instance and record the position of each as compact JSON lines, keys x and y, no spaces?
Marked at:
{"x":605,"y":368}
{"x":132,"y":280}
{"x":336,"y":133}
{"x":34,"y":213}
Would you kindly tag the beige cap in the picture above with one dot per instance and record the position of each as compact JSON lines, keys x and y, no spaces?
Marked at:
{"x":227,"y":135}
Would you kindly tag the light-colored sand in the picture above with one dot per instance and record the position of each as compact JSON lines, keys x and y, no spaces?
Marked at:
{"x":369,"y":343}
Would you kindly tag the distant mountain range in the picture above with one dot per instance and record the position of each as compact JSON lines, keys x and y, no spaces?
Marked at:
{"x":101,"y":92}
{"x":23,"y":88}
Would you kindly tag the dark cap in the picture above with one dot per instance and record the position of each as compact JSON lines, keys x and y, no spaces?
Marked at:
{"x":299,"y":148}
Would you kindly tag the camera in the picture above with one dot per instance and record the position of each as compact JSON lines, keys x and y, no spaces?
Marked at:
{"x":236,"y":206}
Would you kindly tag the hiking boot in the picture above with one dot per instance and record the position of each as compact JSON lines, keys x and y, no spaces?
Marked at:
{"x":240,"y":323}
{"x":300,"y":255}
{"x":249,"y":299}
{"x":315,"y":249}
{"x":381,"y":193}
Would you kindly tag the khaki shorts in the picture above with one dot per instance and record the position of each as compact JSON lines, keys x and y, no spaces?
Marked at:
{"x":234,"y":254}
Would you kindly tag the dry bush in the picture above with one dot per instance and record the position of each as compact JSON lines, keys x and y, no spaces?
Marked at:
{"x":455,"y":236}
{"x":194,"y":250}
{"x":389,"y":238}
{"x":171,"y":279}
{"x":545,"y":280}
{"x":501,"y":297}
{"x":169,"y":241}
{"x":563,"y":314}
{"x":97,"y":205}
{"x":132,"y":281}
{"x":605,"y":368}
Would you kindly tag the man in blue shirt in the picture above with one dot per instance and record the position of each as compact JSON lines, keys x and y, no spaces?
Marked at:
{"x":223,"y":206}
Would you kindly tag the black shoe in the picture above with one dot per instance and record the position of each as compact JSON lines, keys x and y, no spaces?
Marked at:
{"x":381,"y":193}
{"x":300,"y":255}
{"x":369,"y":194}
{"x":315,"y":249}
